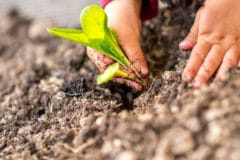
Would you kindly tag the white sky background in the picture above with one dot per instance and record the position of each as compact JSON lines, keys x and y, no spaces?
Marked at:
{"x":62,"y":12}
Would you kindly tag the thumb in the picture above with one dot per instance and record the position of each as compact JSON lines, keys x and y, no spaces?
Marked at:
{"x":189,"y":42}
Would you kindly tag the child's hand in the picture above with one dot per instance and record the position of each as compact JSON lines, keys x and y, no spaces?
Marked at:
{"x":102,"y":62}
{"x":123,"y":17}
{"x":215,"y":40}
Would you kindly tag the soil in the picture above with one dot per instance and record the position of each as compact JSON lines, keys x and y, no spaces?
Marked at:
{"x":51,"y":108}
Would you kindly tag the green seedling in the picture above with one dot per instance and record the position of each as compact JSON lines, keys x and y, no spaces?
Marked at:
{"x":110,"y":72}
{"x":96,"y":34}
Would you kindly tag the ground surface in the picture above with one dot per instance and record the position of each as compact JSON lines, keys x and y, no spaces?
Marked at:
{"x":50,"y":107}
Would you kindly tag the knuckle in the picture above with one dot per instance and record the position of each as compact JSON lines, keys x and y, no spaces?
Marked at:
{"x":237,"y":39}
{"x":216,"y":38}
{"x":198,"y":55}
{"x":206,"y":69}
{"x":136,"y":56}
{"x":206,"y":42}
{"x":210,"y":62}
{"x":191,"y":35}
{"x":139,"y":59}
{"x":210,"y":39}
{"x":230,"y":61}
{"x":231,"y":39}
{"x":190,"y":70}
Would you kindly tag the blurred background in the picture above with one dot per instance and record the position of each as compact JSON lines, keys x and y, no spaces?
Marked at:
{"x":61,"y":12}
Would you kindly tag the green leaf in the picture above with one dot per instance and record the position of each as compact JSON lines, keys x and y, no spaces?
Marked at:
{"x":74,"y":35}
{"x":94,"y":22}
{"x":108,"y":74}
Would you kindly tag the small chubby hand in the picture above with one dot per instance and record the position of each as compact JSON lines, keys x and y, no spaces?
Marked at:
{"x":102,"y":62}
{"x":123,"y":17}
{"x":215,"y":41}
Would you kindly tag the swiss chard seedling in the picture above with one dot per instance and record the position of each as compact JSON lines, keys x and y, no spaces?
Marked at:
{"x":110,"y":72}
{"x":96,"y":34}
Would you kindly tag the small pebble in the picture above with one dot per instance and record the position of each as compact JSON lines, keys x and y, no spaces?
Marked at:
{"x":117,"y":143}
{"x":84,"y":121}
{"x":145,"y":118}
{"x":100,"y":121}
{"x":107,"y":147}
{"x":180,"y":140}
{"x":25,"y":130}
{"x":174,"y":109}
{"x":201,"y":153}
{"x":217,"y":133}
{"x":169,"y":75}
{"x":194,"y":125}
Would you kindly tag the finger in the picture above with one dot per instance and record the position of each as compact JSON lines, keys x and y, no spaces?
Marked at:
{"x":231,"y":58}
{"x":196,"y":59}
{"x":129,"y":83}
{"x":100,"y":60}
{"x":128,"y":71}
{"x":136,"y":57}
{"x":209,"y":66}
{"x":128,"y":34}
{"x":189,"y":42}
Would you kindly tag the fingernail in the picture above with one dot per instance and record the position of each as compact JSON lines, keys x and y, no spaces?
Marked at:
{"x":185,"y":43}
{"x":187,"y":77}
{"x":196,"y":84}
{"x":144,"y":72}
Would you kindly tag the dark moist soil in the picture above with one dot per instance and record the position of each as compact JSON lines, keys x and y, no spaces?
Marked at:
{"x":50,"y":107}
